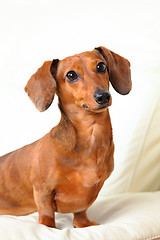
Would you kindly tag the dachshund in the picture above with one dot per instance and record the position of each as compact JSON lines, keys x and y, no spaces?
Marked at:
{"x":65,"y":169}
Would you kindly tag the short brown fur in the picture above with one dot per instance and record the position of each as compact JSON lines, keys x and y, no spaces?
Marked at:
{"x":65,"y":170}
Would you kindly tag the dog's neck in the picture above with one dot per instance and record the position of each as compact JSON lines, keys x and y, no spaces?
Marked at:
{"x":89,"y":127}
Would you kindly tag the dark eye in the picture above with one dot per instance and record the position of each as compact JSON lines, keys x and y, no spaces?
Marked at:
{"x":72,"y":76}
{"x":101,"y":67}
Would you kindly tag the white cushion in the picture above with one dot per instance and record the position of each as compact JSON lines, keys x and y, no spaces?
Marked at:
{"x":131,"y":216}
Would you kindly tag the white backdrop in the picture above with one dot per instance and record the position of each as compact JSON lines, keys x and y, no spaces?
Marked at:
{"x":32,"y":31}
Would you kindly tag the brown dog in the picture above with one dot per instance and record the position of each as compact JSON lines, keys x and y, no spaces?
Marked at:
{"x":65,"y":170}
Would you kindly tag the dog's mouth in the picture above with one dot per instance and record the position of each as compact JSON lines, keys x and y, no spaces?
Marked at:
{"x":98,"y":109}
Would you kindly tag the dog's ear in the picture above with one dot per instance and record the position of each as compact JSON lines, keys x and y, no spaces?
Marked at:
{"x":41,"y":86}
{"x":119,"y":70}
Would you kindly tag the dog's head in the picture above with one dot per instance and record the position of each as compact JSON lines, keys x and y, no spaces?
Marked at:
{"x":81,"y":80}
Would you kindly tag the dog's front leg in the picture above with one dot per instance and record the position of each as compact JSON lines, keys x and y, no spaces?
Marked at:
{"x":45,"y":206}
{"x":81,"y":220}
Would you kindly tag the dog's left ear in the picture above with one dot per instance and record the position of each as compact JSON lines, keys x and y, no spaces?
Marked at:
{"x":119,"y":70}
{"x":41,"y":86}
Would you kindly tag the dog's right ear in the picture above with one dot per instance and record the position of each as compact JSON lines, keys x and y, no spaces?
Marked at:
{"x":41,"y":86}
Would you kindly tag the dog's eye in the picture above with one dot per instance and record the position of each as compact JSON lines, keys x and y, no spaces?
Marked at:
{"x":101,"y":67}
{"x":72,"y":76}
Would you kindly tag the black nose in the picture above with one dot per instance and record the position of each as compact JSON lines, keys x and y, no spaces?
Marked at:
{"x":102,"y":96}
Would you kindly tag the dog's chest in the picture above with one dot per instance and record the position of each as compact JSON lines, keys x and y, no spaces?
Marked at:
{"x":81,"y":185}
{"x":79,"y":189}
{"x":84,"y":172}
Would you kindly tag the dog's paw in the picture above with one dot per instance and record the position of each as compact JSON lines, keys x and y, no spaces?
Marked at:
{"x":47,"y":221}
{"x":86,"y":224}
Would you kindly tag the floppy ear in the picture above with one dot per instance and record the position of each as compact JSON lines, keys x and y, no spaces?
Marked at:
{"x":119,"y":70}
{"x":41,"y":86}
